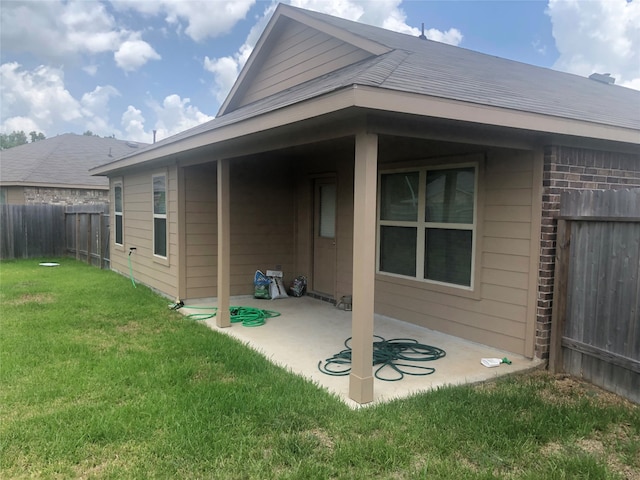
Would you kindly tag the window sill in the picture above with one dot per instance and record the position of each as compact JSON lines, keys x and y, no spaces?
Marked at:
{"x":161,"y":260}
{"x":430,"y":286}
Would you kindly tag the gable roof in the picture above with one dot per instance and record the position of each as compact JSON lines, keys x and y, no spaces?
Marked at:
{"x":61,"y":161}
{"x":441,"y":70}
{"x":403,"y":64}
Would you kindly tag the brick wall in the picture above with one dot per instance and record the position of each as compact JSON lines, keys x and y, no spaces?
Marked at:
{"x":64,"y":196}
{"x":568,"y":168}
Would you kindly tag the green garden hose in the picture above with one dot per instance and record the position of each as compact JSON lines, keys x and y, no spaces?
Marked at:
{"x":248,"y":316}
{"x":386,"y":353}
{"x":133,"y":282}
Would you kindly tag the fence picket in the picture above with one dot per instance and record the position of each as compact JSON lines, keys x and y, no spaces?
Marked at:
{"x":601,"y":306}
{"x":34,"y":231}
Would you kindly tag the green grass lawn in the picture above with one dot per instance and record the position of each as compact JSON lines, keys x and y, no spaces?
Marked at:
{"x":101,"y":380}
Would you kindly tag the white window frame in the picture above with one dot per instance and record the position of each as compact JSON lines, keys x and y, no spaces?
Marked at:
{"x":160,"y":215}
{"x":422,"y":225}
{"x":118,"y":184}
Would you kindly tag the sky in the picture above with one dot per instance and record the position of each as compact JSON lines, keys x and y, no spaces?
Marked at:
{"x":124,"y":68}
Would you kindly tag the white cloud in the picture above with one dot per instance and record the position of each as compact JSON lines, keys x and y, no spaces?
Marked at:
{"x":539,"y":47}
{"x":453,"y":36}
{"x":174,"y":115}
{"x":57,"y":31}
{"x":133,"y":53}
{"x":91,"y":69}
{"x":225,"y":71}
{"x":382,"y":13}
{"x":133,"y":124}
{"x":95,"y":110}
{"x":39,"y":95}
{"x":204,"y":19}
{"x":39,"y":100}
{"x":17,"y":124}
{"x":598,"y":36}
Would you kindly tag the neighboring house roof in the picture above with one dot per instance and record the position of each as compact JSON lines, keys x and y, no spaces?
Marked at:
{"x":63,"y":161}
{"x":406,"y":64}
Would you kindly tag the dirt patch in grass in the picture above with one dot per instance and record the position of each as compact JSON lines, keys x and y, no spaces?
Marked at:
{"x":550,"y":449}
{"x":131,"y":327}
{"x":323,"y":438}
{"x":207,"y":373}
{"x":31,"y":298}
{"x":600,"y":449}
{"x":565,"y":389}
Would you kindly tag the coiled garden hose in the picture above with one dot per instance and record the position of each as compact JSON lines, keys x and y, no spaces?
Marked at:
{"x":387,"y":353}
{"x":248,"y":316}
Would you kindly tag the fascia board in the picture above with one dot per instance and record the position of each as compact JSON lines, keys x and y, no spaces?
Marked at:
{"x":266,"y":34}
{"x":370,"y":46}
{"x":329,"y":103}
{"x":383,"y":100}
{"x":402,"y":102}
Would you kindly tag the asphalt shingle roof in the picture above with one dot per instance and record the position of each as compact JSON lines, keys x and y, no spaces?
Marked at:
{"x":64,"y":160}
{"x":441,"y":70}
{"x":436,"y":69}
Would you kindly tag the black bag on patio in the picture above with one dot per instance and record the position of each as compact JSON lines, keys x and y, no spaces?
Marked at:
{"x":298,"y":286}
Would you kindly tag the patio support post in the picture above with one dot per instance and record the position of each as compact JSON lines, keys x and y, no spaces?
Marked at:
{"x":364,"y":260}
{"x":223,"y":318}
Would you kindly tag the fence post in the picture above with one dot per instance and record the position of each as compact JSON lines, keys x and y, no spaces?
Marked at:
{"x":559,"y":308}
{"x":100,"y":238}
{"x":77,"y":239}
{"x":89,"y":237}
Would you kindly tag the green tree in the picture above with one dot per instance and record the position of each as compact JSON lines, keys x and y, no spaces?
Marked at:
{"x":89,"y":133}
{"x":13,"y":139}
{"x":36,"y":136}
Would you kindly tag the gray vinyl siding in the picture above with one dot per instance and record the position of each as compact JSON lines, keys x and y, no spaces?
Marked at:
{"x":301,"y":54}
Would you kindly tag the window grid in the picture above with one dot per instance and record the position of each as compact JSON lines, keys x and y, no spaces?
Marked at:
{"x":159,"y":215}
{"x":422,"y":225}
{"x":118,"y":213}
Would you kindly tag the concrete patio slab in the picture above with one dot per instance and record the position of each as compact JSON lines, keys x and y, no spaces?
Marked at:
{"x":309,"y":331}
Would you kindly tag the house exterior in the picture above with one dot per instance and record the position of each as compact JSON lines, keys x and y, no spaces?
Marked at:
{"x":55,"y":171}
{"x":422,"y":179}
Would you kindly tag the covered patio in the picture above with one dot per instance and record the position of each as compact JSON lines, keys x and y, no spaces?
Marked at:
{"x":309,"y":331}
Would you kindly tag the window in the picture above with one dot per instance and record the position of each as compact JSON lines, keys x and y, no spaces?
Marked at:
{"x":160,"y":215}
{"x":426,"y":227}
{"x":117,"y":200}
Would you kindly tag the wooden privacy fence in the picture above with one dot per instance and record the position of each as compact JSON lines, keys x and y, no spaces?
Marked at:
{"x":596,"y":302}
{"x":28,"y":231}
{"x":37,"y":231}
{"x":87,"y":233}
